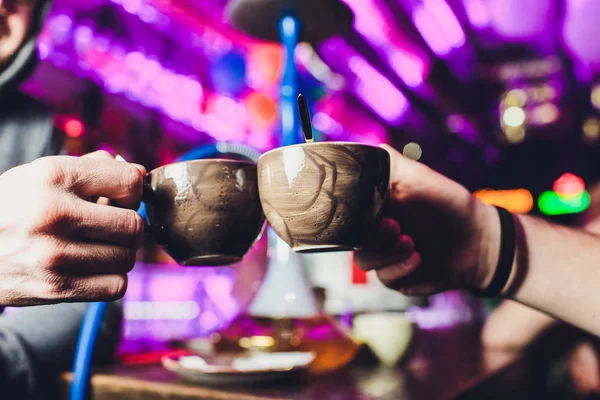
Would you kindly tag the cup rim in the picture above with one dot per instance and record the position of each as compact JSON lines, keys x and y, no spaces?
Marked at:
{"x":204,"y":160}
{"x":337,"y":142}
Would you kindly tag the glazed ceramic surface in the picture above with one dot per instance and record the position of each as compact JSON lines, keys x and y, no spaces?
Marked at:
{"x":324,"y":196}
{"x":204,"y":212}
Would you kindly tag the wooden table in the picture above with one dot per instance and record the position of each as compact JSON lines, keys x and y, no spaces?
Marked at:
{"x":444,"y":364}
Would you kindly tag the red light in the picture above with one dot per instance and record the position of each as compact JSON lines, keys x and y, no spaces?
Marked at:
{"x":74,"y":128}
{"x":569,"y":185}
{"x":359,"y":276}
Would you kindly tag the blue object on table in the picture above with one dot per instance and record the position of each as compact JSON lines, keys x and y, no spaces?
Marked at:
{"x":94,"y":314}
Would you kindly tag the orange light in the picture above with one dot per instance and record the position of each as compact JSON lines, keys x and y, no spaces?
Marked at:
{"x":262,"y":109}
{"x":266,"y":59}
{"x":518,"y":201}
{"x":74,"y":128}
{"x":569,"y":185}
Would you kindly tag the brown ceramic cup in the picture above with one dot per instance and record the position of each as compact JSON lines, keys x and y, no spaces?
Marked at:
{"x":204,"y":212}
{"x":326,"y":196}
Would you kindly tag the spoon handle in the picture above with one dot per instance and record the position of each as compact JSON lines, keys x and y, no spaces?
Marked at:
{"x":305,"y":119}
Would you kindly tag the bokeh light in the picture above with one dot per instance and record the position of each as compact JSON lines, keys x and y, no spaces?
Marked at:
{"x":550,"y":203}
{"x":591,"y":129}
{"x":516,"y":200}
{"x":514,"y":116}
{"x":74,"y":128}
{"x":595,"y":96}
{"x":569,"y":185}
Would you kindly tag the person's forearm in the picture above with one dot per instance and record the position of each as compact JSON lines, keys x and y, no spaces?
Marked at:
{"x":513,"y":326}
{"x":557,"y":271}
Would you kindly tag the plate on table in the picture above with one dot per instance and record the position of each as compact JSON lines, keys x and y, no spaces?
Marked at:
{"x":238,"y":368}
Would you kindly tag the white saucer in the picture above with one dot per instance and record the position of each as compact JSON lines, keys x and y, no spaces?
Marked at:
{"x":237,"y":368}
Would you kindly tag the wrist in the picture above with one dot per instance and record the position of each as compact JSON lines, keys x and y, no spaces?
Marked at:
{"x":488,"y":245}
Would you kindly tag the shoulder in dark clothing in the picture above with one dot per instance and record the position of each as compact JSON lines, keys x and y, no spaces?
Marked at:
{"x":27,"y":131}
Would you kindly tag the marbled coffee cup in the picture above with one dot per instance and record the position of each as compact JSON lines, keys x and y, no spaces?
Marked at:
{"x":326,"y":196}
{"x":204,"y":212}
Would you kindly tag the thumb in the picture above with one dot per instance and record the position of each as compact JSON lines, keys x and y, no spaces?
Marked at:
{"x":399,"y":164}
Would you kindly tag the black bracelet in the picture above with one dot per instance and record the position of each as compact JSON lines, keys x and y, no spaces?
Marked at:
{"x":505,"y":258}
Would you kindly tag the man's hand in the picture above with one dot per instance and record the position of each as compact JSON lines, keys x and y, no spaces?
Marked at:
{"x":56,"y":242}
{"x":436,"y":236}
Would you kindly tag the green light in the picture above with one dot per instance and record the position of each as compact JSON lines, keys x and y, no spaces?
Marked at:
{"x":550,"y":203}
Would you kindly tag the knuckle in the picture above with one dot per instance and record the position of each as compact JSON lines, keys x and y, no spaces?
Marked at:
{"x":57,"y":214}
{"x":54,"y":171}
{"x":61,"y":287}
{"x":130,"y":224}
{"x":135,"y":224}
{"x":131,"y":177}
{"x":101,"y":153}
{"x":55,"y":257}
{"x":120,"y":259}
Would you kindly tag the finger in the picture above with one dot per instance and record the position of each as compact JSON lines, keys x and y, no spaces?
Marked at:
{"x":425,"y":289}
{"x":114,"y":225}
{"x":416,"y":283}
{"x":386,"y":247}
{"x":100,"y":154}
{"x":392,"y":273}
{"x":95,"y":177}
{"x":81,"y":259}
{"x":399,"y":165}
{"x":103,"y":154}
{"x":88,"y":288}
{"x":103,"y":201}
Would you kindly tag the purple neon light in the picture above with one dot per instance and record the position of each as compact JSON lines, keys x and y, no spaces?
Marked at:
{"x":142,"y":79}
{"x":198,"y":36}
{"x":359,"y":129}
{"x":581,"y":29}
{"x":371,"y":87}
{"x":444,"y":310}
{"x":408,"y":67}
{"x":438,"y":26}
{"x":477,"y":13}
{"x":381,"y":95}
{"x":518,"y":19}
{"x":372,"y":24}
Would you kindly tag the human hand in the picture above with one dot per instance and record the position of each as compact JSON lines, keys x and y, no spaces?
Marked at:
{"x":57,"y":244}
{"x":436,"y":236}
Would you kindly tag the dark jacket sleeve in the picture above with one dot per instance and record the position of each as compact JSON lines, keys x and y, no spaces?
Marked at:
{"x":37,"y":343}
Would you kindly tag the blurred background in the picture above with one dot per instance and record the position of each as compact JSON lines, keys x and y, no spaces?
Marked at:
{"x":501,"y":95}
